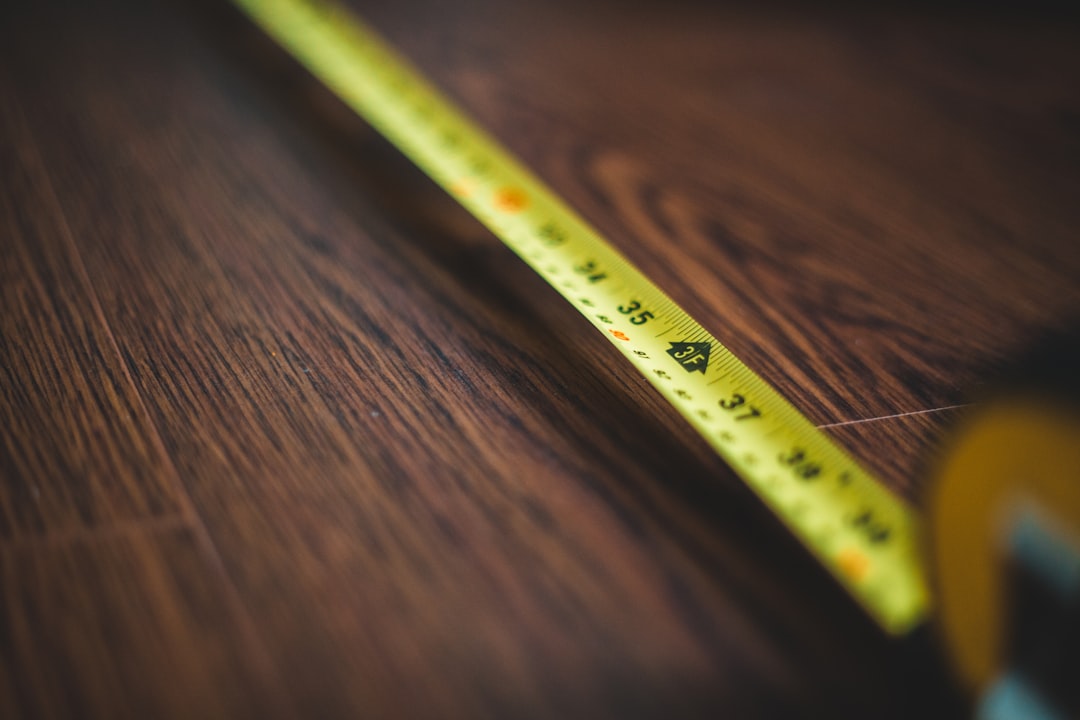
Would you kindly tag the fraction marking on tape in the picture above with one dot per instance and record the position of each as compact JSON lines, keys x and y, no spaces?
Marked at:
{"x":863,"y":534}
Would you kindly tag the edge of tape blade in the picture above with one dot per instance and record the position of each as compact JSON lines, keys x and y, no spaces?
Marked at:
{"x":865,"y":536}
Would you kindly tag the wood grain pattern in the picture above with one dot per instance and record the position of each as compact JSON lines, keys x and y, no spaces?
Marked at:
{"x":817,"y":177}
{"x":355,"y":460}
{"x":84,"y":621}
{"x":68,"y":411}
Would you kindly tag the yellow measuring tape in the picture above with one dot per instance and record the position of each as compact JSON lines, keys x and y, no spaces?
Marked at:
{"x":863,"y":534}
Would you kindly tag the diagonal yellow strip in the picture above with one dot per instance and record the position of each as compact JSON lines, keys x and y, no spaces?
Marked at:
{"x":865,"y":536}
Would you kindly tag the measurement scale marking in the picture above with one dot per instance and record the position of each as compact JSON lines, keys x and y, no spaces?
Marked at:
{"x":872,"y":549}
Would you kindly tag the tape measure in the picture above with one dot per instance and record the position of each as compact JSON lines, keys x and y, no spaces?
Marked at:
{"x":863,"y":534}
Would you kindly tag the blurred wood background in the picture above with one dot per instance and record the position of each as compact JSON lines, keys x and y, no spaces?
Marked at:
{"x":287,"y":434}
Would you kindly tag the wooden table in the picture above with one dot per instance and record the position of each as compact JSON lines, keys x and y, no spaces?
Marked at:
{"x":287,"y":433}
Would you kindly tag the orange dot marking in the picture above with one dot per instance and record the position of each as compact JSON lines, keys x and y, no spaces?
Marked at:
{"x":510,"y":200}
{"x":619,"y":334}
{"x":853,"y":564}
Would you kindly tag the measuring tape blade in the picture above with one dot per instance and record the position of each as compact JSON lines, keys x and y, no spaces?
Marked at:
{"x":864,"y":535}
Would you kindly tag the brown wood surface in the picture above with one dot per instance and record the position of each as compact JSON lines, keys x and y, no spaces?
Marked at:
{"x":286,"y":433}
